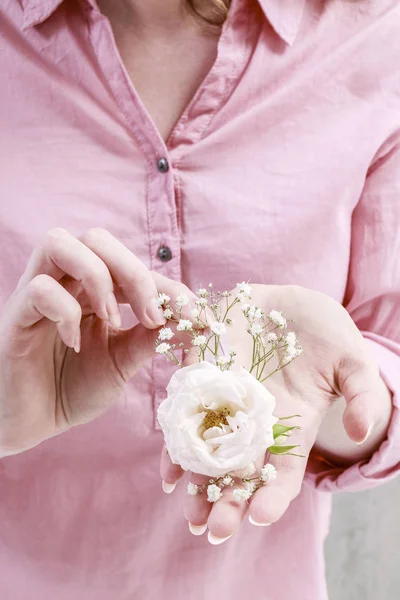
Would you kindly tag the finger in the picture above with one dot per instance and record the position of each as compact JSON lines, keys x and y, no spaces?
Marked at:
{"x":197,"y":508}
{"x":173,"y":289}
{"x":270,"y":502}
{"x":169,"y":472}
{"x":129,"y":274}
{"x":226,"y":516}
{"x":44,"y":297}
{"x":361,"y":386}
{"x":62,"y":254}
{"x":133,"y":347}
{"x":169,"y":287}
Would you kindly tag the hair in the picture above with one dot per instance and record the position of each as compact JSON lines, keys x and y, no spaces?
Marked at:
{"x":210,"y":12}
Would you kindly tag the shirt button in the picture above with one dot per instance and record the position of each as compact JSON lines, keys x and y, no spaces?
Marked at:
{"x":164,"y":253}
{"x":162,"y":165}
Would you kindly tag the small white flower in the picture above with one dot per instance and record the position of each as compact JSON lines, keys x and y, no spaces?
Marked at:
{"x":291,"y":339}
{"x":202,"y":302}
{"x":181,"y":300}
{"x":240,"y":296}
{"x":168,"y":314}
{"x":290,"y":353}
{"x":184,"y":325}
{"x":227,"y":480}
{"x":163,"y":348}
{"x":192,"y":489}
{"x":241,"y":494}
{"x":268,"y":473}
{"x":271,"y":338}
{"x":251,"y":312}
{"x":199,"y":340}
{"x":222,"y":361}
{"x":165,"y":333}
{"x":213,"y":493}
{"x":203,"y":293}
{"x":218,"y":328}
{"x":162,"y":299}
{"x":245,"y":307}
{"x":255,"y":329}
{"x":195,"y":313}
{"x":277,"y":318}
{"x":243,"y":290}
{"x":258,"y":313}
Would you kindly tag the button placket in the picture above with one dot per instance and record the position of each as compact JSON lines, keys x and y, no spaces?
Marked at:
{"x":162,"y":217}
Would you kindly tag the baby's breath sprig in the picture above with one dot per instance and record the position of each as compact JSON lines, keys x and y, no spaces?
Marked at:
{"x":245,"y":487}
{"x":270,"y":342}
{"x":174,"y":315}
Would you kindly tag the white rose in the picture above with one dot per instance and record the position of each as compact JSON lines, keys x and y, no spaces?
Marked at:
{"x":216,"y":422}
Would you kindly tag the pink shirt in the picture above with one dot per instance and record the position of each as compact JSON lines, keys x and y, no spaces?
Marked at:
{"x":285,"y":169}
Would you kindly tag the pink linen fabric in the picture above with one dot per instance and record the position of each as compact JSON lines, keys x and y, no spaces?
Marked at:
{"x":285,"y":169}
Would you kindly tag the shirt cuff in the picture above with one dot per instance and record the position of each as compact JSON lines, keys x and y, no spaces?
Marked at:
{"x":384,"y":464}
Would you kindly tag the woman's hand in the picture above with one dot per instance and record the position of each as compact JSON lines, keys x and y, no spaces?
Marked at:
{"x":67,"y":298}
{"x":335,"y":363}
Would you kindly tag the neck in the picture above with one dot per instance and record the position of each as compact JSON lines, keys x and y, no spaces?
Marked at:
{"x":163,"y":15}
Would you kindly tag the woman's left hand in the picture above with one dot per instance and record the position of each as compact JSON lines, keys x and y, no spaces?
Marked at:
{"x":335,"y":363}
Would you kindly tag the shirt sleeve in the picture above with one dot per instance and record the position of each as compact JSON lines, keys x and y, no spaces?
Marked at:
{"x":373,"y":301}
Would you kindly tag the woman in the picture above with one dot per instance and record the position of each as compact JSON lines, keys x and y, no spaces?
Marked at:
{"x":189,"y":141}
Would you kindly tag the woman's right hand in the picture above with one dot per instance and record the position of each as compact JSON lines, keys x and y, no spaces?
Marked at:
{"x":63,"y":359}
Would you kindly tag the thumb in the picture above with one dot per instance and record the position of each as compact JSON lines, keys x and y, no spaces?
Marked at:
{"x":362,"y":388}
{"x":131,"y":348}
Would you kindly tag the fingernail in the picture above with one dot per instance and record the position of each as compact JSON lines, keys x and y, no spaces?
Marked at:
{"x":197,"y":529}
{"x":366,"y":435}
{"x":154,"y":313}
{"x":168,"y":487}
{"x":216,"y":541}
{"x":113,"y":310}
{"x":77,"y":342}
{"x":253,"y":522}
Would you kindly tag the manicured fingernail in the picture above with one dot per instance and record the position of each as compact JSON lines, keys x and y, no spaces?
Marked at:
{"x":168,"y":487}
{"x":77,"y":342}
{"x":154,"y":313}
{"x":197,"y":529}
{"x":366,"y":435}
{"x":253,"y":522}
{"x":113,"y":310}
{"x":216,"y":541}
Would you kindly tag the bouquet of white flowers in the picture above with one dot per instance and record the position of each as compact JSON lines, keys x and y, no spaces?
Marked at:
{"x":218,"y":418}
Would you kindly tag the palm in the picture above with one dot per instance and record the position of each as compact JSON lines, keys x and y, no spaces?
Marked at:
{"x":88,"y":382}
{"x":335,"y":362}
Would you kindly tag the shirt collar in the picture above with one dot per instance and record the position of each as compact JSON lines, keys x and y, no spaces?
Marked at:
{"x":284,"y":15}
{"x":37,"y":11}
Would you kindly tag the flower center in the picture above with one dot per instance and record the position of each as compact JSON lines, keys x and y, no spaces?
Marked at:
{"x":215,"y":418}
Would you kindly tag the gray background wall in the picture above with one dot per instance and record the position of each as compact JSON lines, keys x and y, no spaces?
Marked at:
{"x":363,"y":548}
